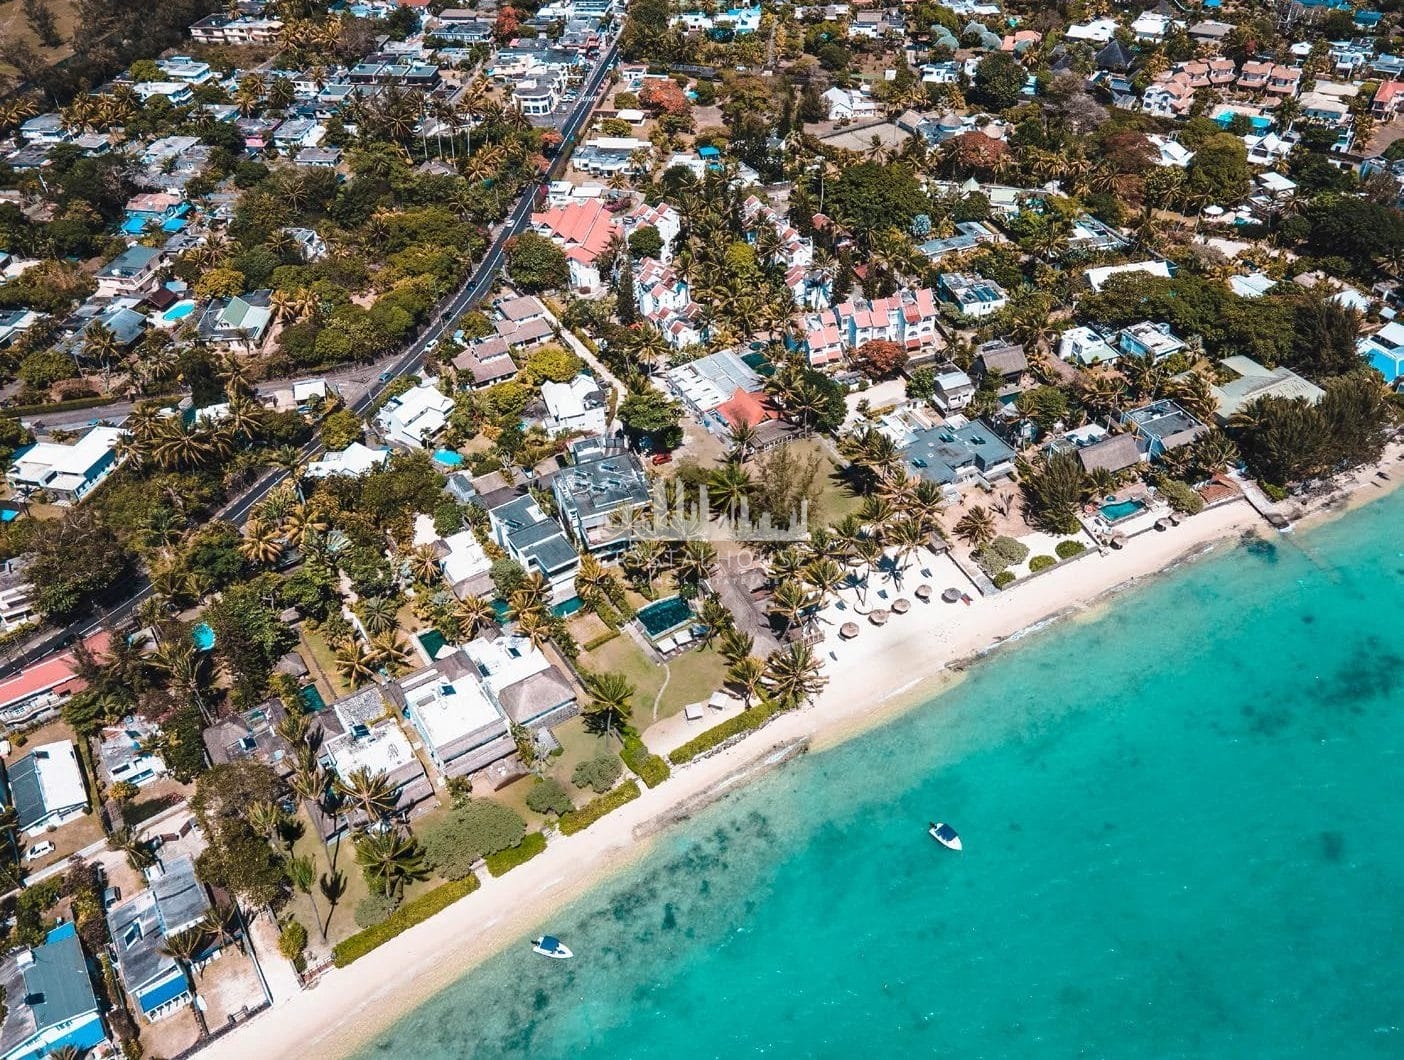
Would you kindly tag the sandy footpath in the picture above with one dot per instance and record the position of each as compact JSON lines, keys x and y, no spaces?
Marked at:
{"x":881,"y":671}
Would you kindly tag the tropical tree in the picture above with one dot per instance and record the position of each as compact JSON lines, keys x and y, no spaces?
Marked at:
{"x":390,"y":859}
{"x":611,"y":700}
{"x":748,"y":674}
{"x":976,"y":527}
{"x":262,"y":543}
{"x":735,"y":644}
{"x":370,"y":792}
{"x":473,"y":613}
{"x":792,"y":674}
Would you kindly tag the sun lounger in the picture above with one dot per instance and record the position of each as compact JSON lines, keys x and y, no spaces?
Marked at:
{"x":666,"y":645}
{"x":685,"y":637}
{"x":693,"y":711}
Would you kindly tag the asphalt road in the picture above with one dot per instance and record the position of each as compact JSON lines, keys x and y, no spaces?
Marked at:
{"x":480,"y":283}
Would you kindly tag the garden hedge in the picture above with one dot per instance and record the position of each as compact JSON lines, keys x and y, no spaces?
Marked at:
{"x":402,"y":919}
{"x":532,"y":843}
{"x":578,"y":820}
{"x":746,"y":721}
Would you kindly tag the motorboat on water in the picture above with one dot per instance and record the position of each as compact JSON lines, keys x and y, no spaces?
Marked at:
{"x":550,"y":946}
{"x":944,"y":834}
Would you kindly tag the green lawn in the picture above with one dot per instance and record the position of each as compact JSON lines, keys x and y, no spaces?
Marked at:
{"x":623,"y":655}
{"x":836,"y":500}
{"x":694,"y":676}
{"x":323,"y":659}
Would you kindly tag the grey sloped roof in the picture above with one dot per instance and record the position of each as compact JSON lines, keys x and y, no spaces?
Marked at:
{"x":56,"y":987}
{"x":537,"y":695}
{"x":180,"y":898}
{"x":26,"y":793}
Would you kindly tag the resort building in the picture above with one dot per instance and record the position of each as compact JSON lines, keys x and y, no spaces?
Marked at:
{"x":1254,"y":381}
{"x":536,"y":541}
{"x":66,"y":472}
{"x":50,"y":1002}
{"x":45,"y":788}
{"x":416,"y":416}
{"x":954,"y":453}
{"x":176,"y":901}
{"x":604,"y":486}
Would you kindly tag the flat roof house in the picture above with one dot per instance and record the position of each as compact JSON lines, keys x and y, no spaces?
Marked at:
{"x":45,"y":787}
{"x":527,"y":686}
{"x":413,"y":418}
{"x":66,"y":472}
{"x":463,"y":728}
{"x":50,"y":999}
{"x":537,"y":542}
{"x":973,"y":295}
{"x":1385,"y":351}
{"x":126,"y":755}
{"x":361,"y":734}
{"x":959,"y":451}
{"x":604,"y":485}
{"x":1148,"y":339}
{"x":176,"y":901}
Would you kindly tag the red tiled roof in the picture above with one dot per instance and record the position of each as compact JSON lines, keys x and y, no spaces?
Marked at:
{"x":747,"y":408}
{"x":56,"y":674}
{"x":587,"y":225}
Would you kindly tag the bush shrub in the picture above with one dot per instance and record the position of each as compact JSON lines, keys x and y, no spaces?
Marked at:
{"x":548,"y":796}
{"x":598,"y":773}
{"x":1181,"y":497}
{"x":600,"y":641}
{"x":746,"y":721}
{"x":592,"y":811}
{"x":1070,"y":548}
{"x":1039,"y":563}
{"x":1003,"y":578}
{"x":649,"y":767}
{"x":375,"y":909}
{"x":1274,"y":493}
{"x":1000,"y":553}
{"x":471,"y":831}
{"x":402,"y":919}
{"x":532,"y":843}
{"x":292,"y":940}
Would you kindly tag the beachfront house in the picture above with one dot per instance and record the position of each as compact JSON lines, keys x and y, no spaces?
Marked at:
{"x":360,"y":733}
{"x":1384,"y":350}
{"x":175,"y":902}
{"x":1254,"y":381}
{"x":45,"y":788}
{"x":599,"y":492}
{"x":1162,"y":426}
{"x":953,"y":453}
{"x":50,"y":1003}
{"x":462,"y":728}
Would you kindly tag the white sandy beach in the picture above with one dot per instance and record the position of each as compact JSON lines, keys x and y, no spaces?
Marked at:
{"x":880,"y":671}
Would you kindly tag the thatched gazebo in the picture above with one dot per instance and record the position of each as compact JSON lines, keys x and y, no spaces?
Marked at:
{"x":923,"y":593}
{"x":951,"y":595}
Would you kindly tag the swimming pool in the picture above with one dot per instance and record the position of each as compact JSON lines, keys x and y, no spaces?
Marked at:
{"x":447,"y":457}
{"x":312,"y":700}
{"x":179,"y":311}
{"x":203,"y":636}
{"x":433,"y":642}
{"x":1119,"y":510}
{"x":664,"y":616}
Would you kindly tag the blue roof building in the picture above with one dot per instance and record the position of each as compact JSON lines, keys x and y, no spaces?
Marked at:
{"x":50,"y":998}
{"x":175,"y":902}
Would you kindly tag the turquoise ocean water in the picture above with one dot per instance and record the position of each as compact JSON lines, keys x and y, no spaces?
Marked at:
{"x":1183,"y":837}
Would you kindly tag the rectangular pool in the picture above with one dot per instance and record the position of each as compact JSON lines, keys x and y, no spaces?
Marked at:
{"x":1114,"y":513}
{"x":664,"y":616}
{"x":433,"y":642}
{"x":312,"y":700}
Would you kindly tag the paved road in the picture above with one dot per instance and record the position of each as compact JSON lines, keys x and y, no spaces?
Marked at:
{"x":478,"y":285}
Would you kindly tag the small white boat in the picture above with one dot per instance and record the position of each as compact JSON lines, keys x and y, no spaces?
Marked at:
{"x":945,"y":835}
{"x":550,"y":946}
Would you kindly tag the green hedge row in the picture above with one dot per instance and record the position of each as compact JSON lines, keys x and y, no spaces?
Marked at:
{"x":649,"y":768}
{"x":75,"y":403}
{"x":532,"y":843}
{"x":402,"y":919}
{"x":746,"y":721}
{"x":573,"y":821}
{"x":598,"y":642}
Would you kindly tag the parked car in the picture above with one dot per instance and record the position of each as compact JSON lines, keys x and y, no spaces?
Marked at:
{"x":39,"y":850}
{"x":111,"y":897}
{"x":662,"y":458}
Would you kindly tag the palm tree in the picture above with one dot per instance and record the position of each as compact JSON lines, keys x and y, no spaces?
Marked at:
{"x":267,"y":819}
{"x":333,"y":888}
{"x":611,"y":700}
{"x":370,"y":792}
{"x":473,"y":613}
{"x":390,"y":860}
{"x":695,"y":561}
{"x":790,"y":603}
{"x":422,"y":564}
{"x":138,"y":851}
{"x":715,"y":617}
{"x":354,"y":663}
{"x":303,"y":873}
{"x":730,"y":486}
{"x":184,"y":947}
{"x":748,"y":674}
{"x":735,"y":644}
{"x":644,"y":560}
{"x":976,"y":527}
{"x":792,"y":674}
{"x":388,"y":651}
{"x":742,"y":437}
{"x":262,"y":544}
{"x":379,"y":614}
{"x":534,"y":624}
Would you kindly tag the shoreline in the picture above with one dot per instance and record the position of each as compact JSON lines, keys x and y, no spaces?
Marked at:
{"x":929,"y":649}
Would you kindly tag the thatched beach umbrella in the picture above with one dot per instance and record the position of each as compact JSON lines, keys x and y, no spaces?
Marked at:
{"x":901,"y":605}
{"x":951,"y":595}
{"x":848,"y":630}
{"x":923,"y":593}
{"x":879,"y":617}
{"x":1118,"y":541}
{"x":1162,"y":524}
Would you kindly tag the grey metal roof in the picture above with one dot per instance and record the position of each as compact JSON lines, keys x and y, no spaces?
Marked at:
{"x":940,"y":453}
{"x":55,"y":988}
{"x":26,"y":793}
{"x":181,"y":900}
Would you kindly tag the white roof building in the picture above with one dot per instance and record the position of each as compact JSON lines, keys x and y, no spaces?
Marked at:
{"x":1098,"y":277}
{"x":1085,"y":346}
{"x":575,"y":406}
{"x":67,"y":472}
{"x":46,"y":787}
{"x":413,"y":418}
{"x":353,"y":461}
{"x":461,"y":557}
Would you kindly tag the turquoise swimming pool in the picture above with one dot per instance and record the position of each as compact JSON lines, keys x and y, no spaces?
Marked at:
{"x":447,"y":457}
{"x":312,"y":700}
{"x":179,"y":311}
{"x":1119,"y":510}
{"x":433,"y":642}
{"x":203,"y":636}
{"x":664,"y":616}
